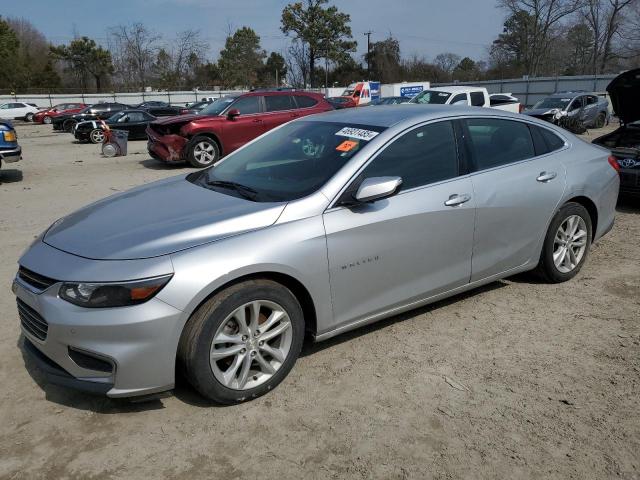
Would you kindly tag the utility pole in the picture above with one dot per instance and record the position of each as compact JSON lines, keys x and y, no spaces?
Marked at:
{"x":368,"y":34}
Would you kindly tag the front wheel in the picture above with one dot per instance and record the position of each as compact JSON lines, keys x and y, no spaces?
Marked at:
{"x":96,"y":135}
{"x":46,"y":120}
{"x":242,"y":342}
{"x":566,"y":244}
{"x":601,"y":119}
{"x":29,"y":117}
{"x":203,"y":151}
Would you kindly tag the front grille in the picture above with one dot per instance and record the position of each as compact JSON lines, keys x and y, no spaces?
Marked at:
{"x":37,"y":281}
{"x":32,"y":321}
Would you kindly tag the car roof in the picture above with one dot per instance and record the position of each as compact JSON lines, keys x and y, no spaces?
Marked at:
{"x":407,"y":112}
{"x":454,"y":88}
{"x":570,"y":94}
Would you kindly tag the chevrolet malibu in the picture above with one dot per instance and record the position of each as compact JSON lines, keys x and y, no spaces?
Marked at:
{"x":322,"y":225}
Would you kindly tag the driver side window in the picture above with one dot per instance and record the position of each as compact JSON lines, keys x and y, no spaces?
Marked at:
{"x":576,"y":104}
{"x":421,"y":156}
{"x":247,"y":105}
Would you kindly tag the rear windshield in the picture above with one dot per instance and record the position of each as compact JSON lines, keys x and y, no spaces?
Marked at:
{"x":218,"y":106}
{"x":290,"y":162}
{"x":431,"y":97}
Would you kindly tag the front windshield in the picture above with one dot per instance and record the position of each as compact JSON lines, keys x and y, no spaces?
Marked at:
{"x":218,"y":106}
{"x":553,"y":102}
{"x":431,"y":97}
{"x":291,"y":162}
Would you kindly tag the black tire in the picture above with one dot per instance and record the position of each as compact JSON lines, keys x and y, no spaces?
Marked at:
{"x":29,"y":117}
{"x":195,"y":343}
{"x":95,"y":137}
{"x":197,"y":160}
{"x":600,"y":121}
{"x":546,"y":268}
{"x":67,"y":126}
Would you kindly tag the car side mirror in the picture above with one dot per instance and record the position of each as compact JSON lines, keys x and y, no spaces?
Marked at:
{"x":233,"y":113}
{"x":377,"y":188}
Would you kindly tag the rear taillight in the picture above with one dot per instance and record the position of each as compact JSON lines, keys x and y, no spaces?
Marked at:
{"x":614,"y":163}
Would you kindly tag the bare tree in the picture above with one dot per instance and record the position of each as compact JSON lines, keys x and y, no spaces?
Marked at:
{"x":604,"y":18}
{"x":545,"y":15}
{"x":133,"y":48}
{"x":447,"y":62}
{"x":297,"y":60}
{"x":188,"y":44}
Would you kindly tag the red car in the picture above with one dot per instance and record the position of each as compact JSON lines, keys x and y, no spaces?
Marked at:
{"x":227,"y":124}
{"x":45,"y":116}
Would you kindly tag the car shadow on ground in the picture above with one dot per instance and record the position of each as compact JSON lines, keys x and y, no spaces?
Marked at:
{"x":185,"y":393}
{"x":10,"y":176}
{"x":153,"y":164}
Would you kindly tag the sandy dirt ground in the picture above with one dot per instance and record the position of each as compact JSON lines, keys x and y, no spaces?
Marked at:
{"x":515,"y":380}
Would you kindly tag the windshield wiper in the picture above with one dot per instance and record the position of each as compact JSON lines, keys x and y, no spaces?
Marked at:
{"x":246,"y":192}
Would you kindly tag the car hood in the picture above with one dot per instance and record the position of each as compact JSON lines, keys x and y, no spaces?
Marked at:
{"x":624,"y":91}
{"x":541,"y":111}
{"x":157,"y":219}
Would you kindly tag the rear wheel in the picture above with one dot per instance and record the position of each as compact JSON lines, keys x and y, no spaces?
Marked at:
{"x":242,"y":342}
{"x":96,"y":135}
{"x":566,"y":244}
{"x":29,"y":117}
{"x":67,"y":126}
{"x":203,"y":151}
{"x":600,"y":121}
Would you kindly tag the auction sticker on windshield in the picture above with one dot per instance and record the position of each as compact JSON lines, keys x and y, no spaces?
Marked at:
{"x":357,"y":133}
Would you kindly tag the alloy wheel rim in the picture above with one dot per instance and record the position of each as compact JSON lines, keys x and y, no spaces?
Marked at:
{"x":251,"y":345}
{"x":570,"y":243}
{"x":47,"y":120}
{"x":204,"y":152}
{"x":97,"y":136}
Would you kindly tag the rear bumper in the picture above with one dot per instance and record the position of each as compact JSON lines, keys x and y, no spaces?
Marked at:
{"x":630,"y":181}
{"x":11,"y":155}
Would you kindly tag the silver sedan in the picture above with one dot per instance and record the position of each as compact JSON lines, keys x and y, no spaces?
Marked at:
{"x":320,"y":226}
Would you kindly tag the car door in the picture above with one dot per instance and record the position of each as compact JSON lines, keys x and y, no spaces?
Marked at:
{"x":516,"y":194}
{"x":415,"y":244}
{"x":279,"y":109}
{"x":245,"y":127}
{"x":590,"y":110}
{"x":138,"y":122}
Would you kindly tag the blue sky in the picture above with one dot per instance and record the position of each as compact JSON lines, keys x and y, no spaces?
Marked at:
{"x":424,"y":27}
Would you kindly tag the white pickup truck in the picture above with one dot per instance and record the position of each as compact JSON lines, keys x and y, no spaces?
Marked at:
{"x":474,"y":96}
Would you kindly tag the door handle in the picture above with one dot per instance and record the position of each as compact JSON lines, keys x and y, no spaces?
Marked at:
{"x":455,"y":200}
{"x":546,"y":176}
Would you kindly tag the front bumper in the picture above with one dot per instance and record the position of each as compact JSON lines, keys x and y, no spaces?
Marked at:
{"x":139,"y":343}
{"x":10,"y":155}
{"x":168,"y":148}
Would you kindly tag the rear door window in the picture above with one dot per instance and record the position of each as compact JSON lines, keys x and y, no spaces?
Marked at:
{"x":277,"y":103}
{"x":458,"y":98}
{"x":495,"y":142}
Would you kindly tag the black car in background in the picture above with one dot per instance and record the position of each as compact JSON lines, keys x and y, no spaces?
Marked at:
{"x":133,"y":121}
{"x":97,"y":111}
{"x":624,"y":143}
{"x":196,"y":107}
{"x":160,"y":109}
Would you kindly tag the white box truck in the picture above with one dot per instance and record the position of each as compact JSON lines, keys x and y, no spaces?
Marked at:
{"x":404,"y":89}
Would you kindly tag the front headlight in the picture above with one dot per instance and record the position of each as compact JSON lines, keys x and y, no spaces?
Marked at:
{"x":103,"y":295}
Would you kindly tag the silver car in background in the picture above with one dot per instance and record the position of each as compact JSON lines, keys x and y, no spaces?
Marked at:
{"x":320,"y":226}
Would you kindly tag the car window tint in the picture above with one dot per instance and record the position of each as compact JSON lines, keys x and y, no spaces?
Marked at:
{"x":477,"y":99}
{"x":247,"y":105}
{"x":459,"y":97}
{"x":577,"y":103}
{"x":591,"y":99}
{"x":276,"y":103}
{"x":305,"y":102}
{"x":136,"y":117}
{"x":424,"y":155}
{"x":553,"y":141}
{"x":498,"y":142}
